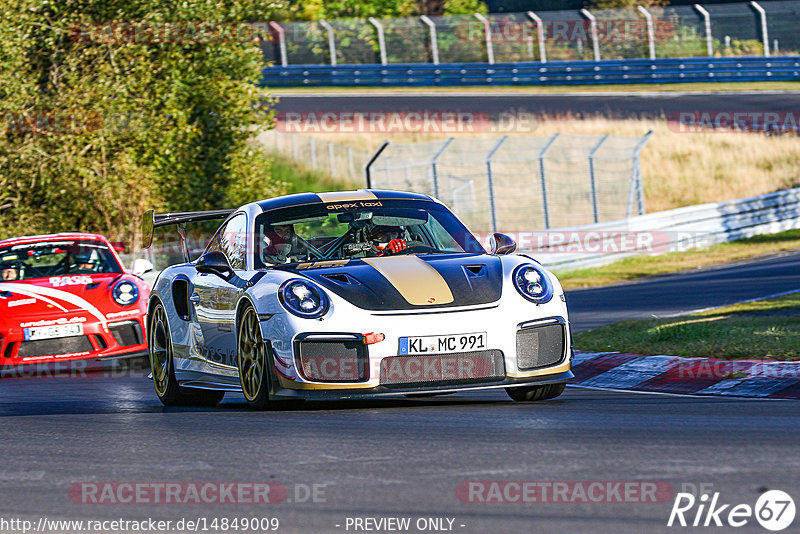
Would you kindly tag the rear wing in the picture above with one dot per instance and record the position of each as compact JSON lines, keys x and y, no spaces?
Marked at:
{"x":152,"y":220}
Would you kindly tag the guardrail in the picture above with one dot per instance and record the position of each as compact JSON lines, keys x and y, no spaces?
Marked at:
{"x":621,"y":71}
{"x":667,"y":231}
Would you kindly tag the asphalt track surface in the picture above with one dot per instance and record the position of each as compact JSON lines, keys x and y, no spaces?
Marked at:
{"x":662,"y":296}
{"x":407,"y":457}
{"x":612,"y":105}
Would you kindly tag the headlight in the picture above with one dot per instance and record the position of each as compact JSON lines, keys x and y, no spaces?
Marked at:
{"x":303,"y":299}
{"x":125,"y":293}
{"x":533,"y":283}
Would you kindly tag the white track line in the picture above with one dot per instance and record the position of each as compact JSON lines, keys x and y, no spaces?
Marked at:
{"x":710,"y":308}
{"x":690,"y":395}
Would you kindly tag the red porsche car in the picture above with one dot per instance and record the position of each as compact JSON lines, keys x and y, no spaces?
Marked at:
{"x":67,"y":297}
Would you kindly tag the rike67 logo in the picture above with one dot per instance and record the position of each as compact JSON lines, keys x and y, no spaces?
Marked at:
{"x":774,"y":510}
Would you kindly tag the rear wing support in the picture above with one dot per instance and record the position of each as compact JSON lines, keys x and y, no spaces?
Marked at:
{"x":152,"y":220}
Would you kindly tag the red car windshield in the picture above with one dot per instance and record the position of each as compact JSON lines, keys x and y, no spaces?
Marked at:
{"x":56,"y":258}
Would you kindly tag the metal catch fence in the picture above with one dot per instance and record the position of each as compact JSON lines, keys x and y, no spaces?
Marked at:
{"x":520,"y":183}
{"x":740,"y":29}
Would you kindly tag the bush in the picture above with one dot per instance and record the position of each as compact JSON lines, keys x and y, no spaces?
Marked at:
{"x":100,"y":123}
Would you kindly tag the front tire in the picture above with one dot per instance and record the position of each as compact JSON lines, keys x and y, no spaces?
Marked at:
{"x":536,"y":393}
{"x":162,"y":367}
{"x":252,"y":361}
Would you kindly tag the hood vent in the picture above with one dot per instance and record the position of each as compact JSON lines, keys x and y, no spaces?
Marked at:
{"x":92,"y":285}
{"x":475,"y":270}
{"x":340,"y":278}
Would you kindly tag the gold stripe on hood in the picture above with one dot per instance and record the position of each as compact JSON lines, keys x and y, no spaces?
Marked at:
{"x":418,"y":283}
{"x":346,"y":196}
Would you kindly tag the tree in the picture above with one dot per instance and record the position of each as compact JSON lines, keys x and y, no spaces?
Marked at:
{"x":112,"y":106}
{"x":327,"y":9}
{"x":464,"y":7}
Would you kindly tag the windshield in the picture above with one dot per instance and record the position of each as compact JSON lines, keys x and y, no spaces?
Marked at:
{"x":56,"y":258}
{"x":359,"y":230}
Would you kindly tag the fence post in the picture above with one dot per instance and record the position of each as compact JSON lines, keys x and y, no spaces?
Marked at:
{"x":294,"y":146}
{"x":764,"y":33}
{"x":540,"y":33}
{"x":373,"y":159}
{"x":281,"y":42}
{"x":592,"y":179}
{"x":350,"y":162}
{"x":490,"y":180}
{"x":434,"y":161}
{"x":487,"y":30}
{"x":381,"y":38}
{"x":434,"y":39}
{"x":707,"y":20}
{"x":313,"y":147}
{"x":636,"y":179}
{"x":545,"y":206}
{"x":331,"y":40}
{"x":593,"y":28}
{"x":331,"y":158}
{"x":651,"y":38}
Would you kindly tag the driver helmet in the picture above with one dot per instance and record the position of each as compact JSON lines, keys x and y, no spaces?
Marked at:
{"x":86,"y":260}
{"x":278,"y":241}
{"x":384,"y":234}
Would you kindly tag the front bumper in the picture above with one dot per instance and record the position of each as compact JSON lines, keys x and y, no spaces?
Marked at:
{"x":122,"y":339}
{"x":501,"y":321}
{"x":384,"y":391}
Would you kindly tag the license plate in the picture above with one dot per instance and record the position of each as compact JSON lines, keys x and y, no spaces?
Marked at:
{"x":443,"y":344}
{"x":54,"y":331}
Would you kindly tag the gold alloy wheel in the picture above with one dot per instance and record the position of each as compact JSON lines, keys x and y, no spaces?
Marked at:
{"x":252,"y":359}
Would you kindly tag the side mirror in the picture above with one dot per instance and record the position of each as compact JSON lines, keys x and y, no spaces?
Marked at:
{"x":502,"y":244}
{"x":215,"y":263}
{"x":140,"y":267}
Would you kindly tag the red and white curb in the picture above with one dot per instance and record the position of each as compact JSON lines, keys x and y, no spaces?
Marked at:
{"x":696,"y":376}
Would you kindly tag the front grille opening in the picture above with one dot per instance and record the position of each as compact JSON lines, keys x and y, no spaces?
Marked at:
{"x":540,"y":346}
{"x":101,"y":343}
{"x":9,"y":349}
{"x":126,"y":334}
{"x":333,"y":361}
{"x":54,"y":347}
{"x":443,"y":369}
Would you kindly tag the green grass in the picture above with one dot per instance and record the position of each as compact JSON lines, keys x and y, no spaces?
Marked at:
{"x":553,"y":89}
{"x":635,"y":267}
{"x":767,"y":329}
{"x":298,"y":179}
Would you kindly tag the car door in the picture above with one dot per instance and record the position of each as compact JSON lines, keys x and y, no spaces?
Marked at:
{"x":215,"y":298}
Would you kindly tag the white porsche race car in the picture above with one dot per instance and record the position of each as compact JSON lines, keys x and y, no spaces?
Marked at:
{"x":352,"y":294}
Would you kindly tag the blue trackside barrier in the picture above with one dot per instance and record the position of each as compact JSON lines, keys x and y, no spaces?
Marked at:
{"x":667,"y":70}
